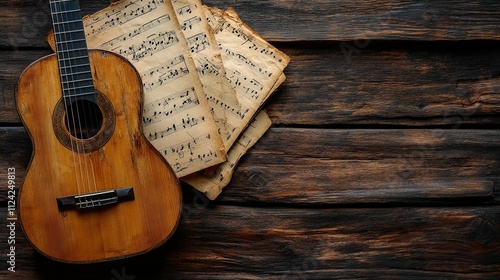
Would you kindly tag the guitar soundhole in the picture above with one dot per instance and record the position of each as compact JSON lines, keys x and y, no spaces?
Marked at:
{"x":83,"y":119}
{"x":84,"y":126}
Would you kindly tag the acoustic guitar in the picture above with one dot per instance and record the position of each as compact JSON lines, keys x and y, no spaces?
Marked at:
{"x":95,"y":189}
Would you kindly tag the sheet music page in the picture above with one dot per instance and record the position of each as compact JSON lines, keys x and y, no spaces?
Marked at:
{"x":208,"y":60}
{"x":212,"y":180}
{"x":177,"y":118}
{"x":253,"y":66}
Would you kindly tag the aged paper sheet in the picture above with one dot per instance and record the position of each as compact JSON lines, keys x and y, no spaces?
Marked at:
{"x":177,"y":118}
{"x":208,"y":60}
{"x":211,"y":181}
{"x":255,"y":69}
{"x":253,"y":66}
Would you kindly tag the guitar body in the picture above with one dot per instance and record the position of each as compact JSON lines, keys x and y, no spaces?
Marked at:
{"x":117,"y":157}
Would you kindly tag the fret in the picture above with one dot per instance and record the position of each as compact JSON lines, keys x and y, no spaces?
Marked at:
{"x":73,"y":74}
{"x":73,"y":66}
{"x":80,"y":84}
{"x":79,"y":49}
{"x":82,"y":87}
{"x":68,"y":21}
{"x":69,"y":32}
{"x":65,"y":12}
{"x":83,"y":64}
{"x":79,"y":81}
{"x":72,"y":41}
{"x":58,"y":17}
{"x":73,"y":58}
{"x":65,"y":55}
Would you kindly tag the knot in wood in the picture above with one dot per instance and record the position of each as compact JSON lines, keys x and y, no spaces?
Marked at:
{"x":258,"y":178}
{"x":485,"y":230}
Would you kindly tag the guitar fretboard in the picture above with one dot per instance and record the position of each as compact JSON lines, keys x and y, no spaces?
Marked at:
{"x":71,"y":49}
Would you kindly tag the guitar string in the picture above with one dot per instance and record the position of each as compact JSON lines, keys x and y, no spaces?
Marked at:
{"x":56,"y":8}
{"x":86,"y":111}
{"x":73,"y":103}
{"x":86,"y":156}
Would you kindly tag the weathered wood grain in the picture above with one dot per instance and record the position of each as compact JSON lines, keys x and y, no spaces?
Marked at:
{"x":410,"y":87}
{"x":316,"y":167}
{"x":26,"y":22}
{"x":367,"y":82}
{"x":231,"y":242}
{"x":428,"y":86}
{"x":336,"y":167}
{"x":423,"y":20}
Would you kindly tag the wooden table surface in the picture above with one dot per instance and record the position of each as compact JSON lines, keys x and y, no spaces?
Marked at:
{"x":383,"y":161}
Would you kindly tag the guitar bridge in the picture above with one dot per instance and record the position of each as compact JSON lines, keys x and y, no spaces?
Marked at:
{"x":95,"y":200}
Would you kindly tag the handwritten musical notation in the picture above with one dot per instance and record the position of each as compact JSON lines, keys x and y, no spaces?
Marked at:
{"x":249,"y":87}
{"x":120,"y":15}
{"x":186,"y":9}
{"x":212,"y":180}
{"x":253,"y":66}
{"x":175,"y":103}
{"x":116,"y":42}
{"x":235,"y":109}
{"x":162,"y":109}
{"x":190,"y":152}
{"x":183,"y":124}
{"x":198,"y":42}
{"x":152,"y":44}
{"x":188,"y":24}
{"x":210,"y":68}
{"x":166,"y":73}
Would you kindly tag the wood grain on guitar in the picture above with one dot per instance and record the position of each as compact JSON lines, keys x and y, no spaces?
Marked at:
{"x":95,"y":189}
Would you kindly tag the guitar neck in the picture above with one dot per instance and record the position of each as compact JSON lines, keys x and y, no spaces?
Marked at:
{"x":71,"y":49}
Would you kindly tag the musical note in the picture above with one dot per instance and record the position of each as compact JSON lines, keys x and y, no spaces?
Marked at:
{"x":111,"y":44}
{"x":191,"y":151}
{"x":166,"y":73}
{"x":207,"y":67}
{"x":118,"y":16}
{"x":154,"y":43}
{"x":185,"y":123}
{"x":188,"y":24}
{"x":188,"y":9}
{"x":170,"y":105}
{"x":235,"y":109}
{"x":249,"y":87}
{"x":160,"y":69}
{"x":198,"y":42}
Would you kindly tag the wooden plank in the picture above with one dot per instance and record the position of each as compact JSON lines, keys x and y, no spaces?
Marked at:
{"x":26,"y":22}
{"x":231,"y":242}
{"x":423,"y":20}
{"x":319,"y":167}
{"x":404,"y":87}
{"x":416,"y":86}
{"x":335,"y":167}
